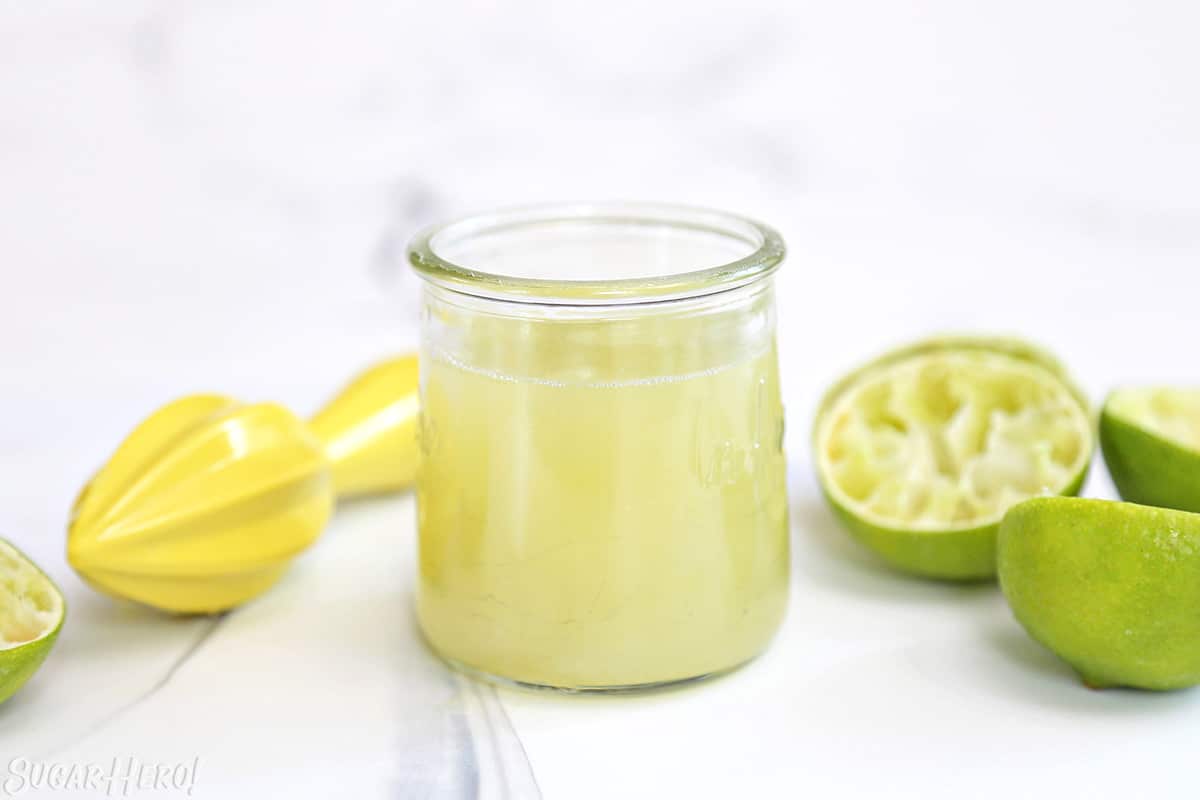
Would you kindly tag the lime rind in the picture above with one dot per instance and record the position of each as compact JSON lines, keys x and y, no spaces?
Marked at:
{"x":1112,"y":588}
{"x":922,"y":451}
{"x":31,"y":614}
{"x":1150,"y":438}
{"x":1172,"y":414}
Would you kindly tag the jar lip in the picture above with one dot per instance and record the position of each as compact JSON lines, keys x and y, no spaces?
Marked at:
{"x":765,"y":252}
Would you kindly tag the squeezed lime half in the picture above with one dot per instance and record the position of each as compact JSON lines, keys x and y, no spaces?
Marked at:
{"x":31,"y":614}
{"x":1112,"y":588}
{"x":1151,"y":443}
{"x":922,"y":451}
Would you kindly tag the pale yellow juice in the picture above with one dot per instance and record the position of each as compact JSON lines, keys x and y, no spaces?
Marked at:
{"x":603,"y":509}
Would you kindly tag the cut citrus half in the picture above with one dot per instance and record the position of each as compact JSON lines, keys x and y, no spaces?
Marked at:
{"x":1112,"y":588}
{"x":31,"y":613}
{"x":922,"y":451}
{"x":1151,"y":443}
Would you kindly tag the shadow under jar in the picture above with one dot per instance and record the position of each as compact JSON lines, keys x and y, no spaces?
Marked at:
{"x":602,"y":499}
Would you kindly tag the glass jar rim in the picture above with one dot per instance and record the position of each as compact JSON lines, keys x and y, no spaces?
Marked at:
{"x":765,"y":253}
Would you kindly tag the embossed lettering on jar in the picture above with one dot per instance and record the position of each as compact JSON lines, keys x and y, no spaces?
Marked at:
{"x":602,"y":499}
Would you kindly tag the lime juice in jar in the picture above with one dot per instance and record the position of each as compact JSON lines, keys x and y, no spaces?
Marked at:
{"x":602,"y":498}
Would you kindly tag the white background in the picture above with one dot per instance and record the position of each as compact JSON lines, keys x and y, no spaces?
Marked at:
{"x":212,"y":196}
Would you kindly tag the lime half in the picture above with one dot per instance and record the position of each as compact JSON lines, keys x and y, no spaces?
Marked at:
{"x":1151,"y":443}
{"x":1112,"y":588}
{"x":31,"y":614}
{"x":922,"y":451}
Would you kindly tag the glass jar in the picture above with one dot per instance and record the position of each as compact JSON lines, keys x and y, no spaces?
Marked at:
{"x":602,"y":500}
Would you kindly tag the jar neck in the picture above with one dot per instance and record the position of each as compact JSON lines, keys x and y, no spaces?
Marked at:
{"x":596,"y":254}
{"x":716,"y":302}
{"x":598,"y":345}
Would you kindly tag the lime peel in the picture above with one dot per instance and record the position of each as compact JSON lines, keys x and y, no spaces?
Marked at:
{"x":31,"y":614}
{"x":1151,"y":443}
{"x":1112,"y":588}
{"x":1172,"y":414}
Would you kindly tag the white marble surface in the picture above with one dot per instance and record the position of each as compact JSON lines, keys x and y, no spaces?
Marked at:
{"x":198,"y":196}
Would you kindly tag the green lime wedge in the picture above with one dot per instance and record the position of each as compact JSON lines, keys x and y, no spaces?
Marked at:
{"x":922,"y":451}
{"x":1112,"y":588}
{"x":31,"y":614}
{"x":1151,"y":442}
